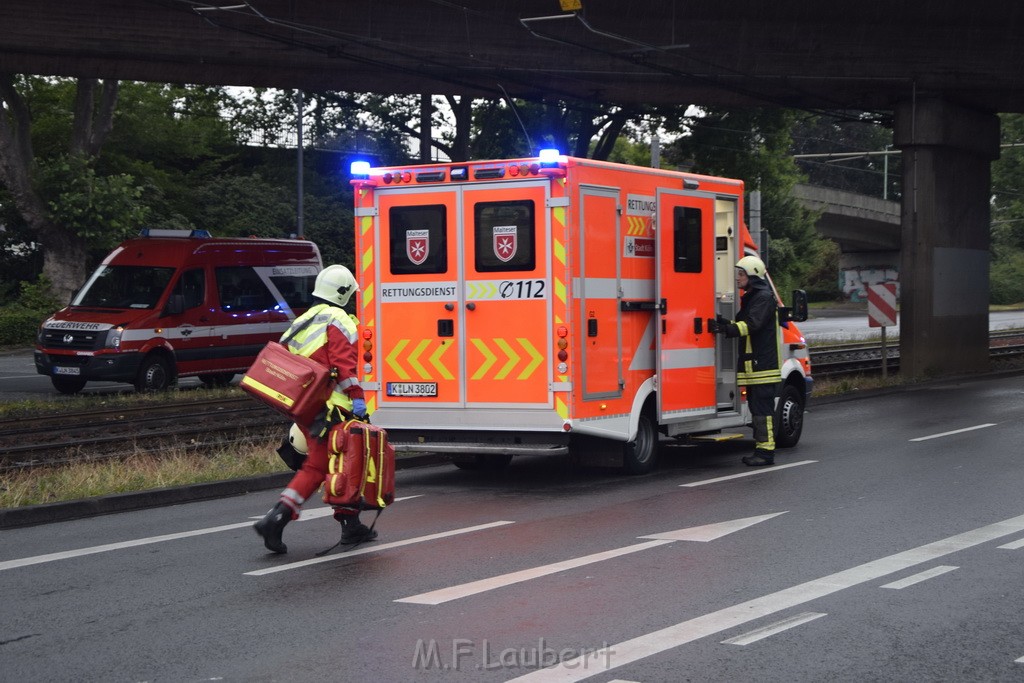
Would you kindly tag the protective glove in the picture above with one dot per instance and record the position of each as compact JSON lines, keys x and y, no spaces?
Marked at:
{"x":713,"y":327}
{"x":359,"y":408}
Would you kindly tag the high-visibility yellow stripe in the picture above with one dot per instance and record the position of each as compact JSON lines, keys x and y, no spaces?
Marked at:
{"x":366,"y":224}
{"x":562,"y":408}
{"x":261,"y":388}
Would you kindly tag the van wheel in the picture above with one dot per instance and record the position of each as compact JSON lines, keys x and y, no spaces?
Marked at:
{"x":489,"y":462}
{"x":639,"y":456}
{"x":154,"y":375}
{"x":789,"y":417}
{"x":220,"y":379}
{"x":67,"y":385}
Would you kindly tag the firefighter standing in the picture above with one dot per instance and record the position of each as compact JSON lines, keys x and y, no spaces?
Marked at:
{"x":332,"y":340}
{"x":757,"y":326}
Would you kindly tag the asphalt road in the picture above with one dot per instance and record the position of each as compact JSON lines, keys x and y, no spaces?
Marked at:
{"x":888,"y":546}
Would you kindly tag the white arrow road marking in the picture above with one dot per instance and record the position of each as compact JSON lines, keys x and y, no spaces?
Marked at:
{"x":688,"y":631}
{"x":763,"y":470}
{"x":68,"y":554}
{"x":710,"y":532}
{"x":772,"y":629}
{"x":700,"y":533}
{"x":918,"y":578}
{"x":374,"y":548}
{"x":955,"y":431}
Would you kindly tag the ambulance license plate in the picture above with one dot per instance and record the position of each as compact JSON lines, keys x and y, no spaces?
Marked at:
{"x":412,"y":388}
{"x":66,"y":370}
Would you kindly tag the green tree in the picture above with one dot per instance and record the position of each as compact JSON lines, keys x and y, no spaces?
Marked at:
{"x":1007,"y":271}
{"x":50,"y":174}
{"x":754,"y":145}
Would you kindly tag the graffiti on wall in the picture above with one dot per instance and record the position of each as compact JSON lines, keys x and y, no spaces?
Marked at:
{"x":854,"y":281}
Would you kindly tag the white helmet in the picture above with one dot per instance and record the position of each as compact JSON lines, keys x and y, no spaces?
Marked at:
{"x":752,"y":266}
{"x":335,"y":284}
{"x":298,"y":440}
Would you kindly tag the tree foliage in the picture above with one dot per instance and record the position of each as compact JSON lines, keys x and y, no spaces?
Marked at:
{"x":755,"y":145}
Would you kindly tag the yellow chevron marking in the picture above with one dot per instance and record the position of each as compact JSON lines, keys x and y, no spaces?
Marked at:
{"x":561,"y":407}
{"x":513,"y":358}
{"x":560,"y":290}
{"x":365,"y":224}
{"x":414,"y":359}
{"x":559,"y":251}
{"x":537,"y":358}
{"x":367,"y":295}
{"x":435,"y":360}
{"x":367,"y":259}
{"x":392,"y":359}
{"x":558,"y":213}
{"x":489,"y":358}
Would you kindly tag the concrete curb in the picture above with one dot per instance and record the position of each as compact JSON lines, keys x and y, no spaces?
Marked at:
{"x":31,"y":515}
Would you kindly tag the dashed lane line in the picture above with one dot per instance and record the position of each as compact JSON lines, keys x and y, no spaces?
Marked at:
{"x":375,"y":548}
{"x":918,"y":578}
{"x":955,"y":431}
{"x":772,"y":629}
{"x":764,"y":470}
{"x":81,"y":552}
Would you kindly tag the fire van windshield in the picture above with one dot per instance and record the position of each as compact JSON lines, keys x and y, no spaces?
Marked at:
{"x":136,"y":287}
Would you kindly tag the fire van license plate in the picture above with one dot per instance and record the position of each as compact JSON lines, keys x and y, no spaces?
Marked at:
{"x":66,"y":370}
{"x":412,"y":388}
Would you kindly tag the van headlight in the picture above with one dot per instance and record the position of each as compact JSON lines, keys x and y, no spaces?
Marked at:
{"x":114,"y":337}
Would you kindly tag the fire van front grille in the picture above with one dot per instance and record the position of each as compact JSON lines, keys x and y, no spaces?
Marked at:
{"x":79,"y":340}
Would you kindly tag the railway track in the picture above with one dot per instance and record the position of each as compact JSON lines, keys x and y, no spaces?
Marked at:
{"x":36,"y":441}
{"x":831,"y":360}
{"x":98,"y":434}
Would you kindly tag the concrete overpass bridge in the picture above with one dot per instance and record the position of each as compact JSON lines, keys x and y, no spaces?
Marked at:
{"x":867,"y":230}
{"x":937,"y":71}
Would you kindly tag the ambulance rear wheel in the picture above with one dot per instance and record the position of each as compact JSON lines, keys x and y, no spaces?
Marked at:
{"x":154,"y":374}
{"x":789,"y":417}
{"x":490,"y":462}
{"x":67,"y":385}
{"x":639,"y":456}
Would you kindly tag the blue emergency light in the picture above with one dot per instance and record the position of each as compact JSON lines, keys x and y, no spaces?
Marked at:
{"x":360,"y":169}
{"x":548,"y":157}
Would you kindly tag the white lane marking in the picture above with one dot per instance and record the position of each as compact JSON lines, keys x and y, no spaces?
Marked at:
{"x":772,"y":629}
{"x":69,"y":554}
{"x":955,"y":431}
{"x":1015,"y":545}
{"x":708,"y":532}
{"x":375,"y":548}
{"x":763,"y":470}
{"x":473,"y":587}
{"x":688,"y":631}
{"x":1019,"y":660}
{"x":918,"y":578}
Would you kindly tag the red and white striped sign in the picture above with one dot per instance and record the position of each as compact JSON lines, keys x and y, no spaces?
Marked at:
{"x":882,"y":305}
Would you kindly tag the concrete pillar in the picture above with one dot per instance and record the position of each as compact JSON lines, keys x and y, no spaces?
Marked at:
{"x":944,"y":272}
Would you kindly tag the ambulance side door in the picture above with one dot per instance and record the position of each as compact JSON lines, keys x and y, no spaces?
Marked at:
{"x":685,"y":258}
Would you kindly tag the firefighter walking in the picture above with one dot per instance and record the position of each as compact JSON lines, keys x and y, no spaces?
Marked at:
{"x":757,"y":327}
{"x":331,"y":338}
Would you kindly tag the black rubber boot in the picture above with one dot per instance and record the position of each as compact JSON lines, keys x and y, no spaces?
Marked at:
{"x":760,"y":458}
{"x":354,"y":531}
{"x":272,"y":526}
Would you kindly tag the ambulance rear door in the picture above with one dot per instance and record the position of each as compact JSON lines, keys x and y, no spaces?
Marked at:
{"x":685,"y":257}
{"x":508,"y":297}
{"x":464,"y":301}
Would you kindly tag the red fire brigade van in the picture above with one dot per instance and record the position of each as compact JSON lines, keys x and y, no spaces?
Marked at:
{"x":174,"y":303}
{"x":526,"y":305}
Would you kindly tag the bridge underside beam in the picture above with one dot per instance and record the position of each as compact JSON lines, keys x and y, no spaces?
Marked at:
{"x":944,"y":272}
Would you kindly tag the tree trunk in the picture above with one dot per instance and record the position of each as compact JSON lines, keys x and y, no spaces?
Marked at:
{"x":64,"y":266}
